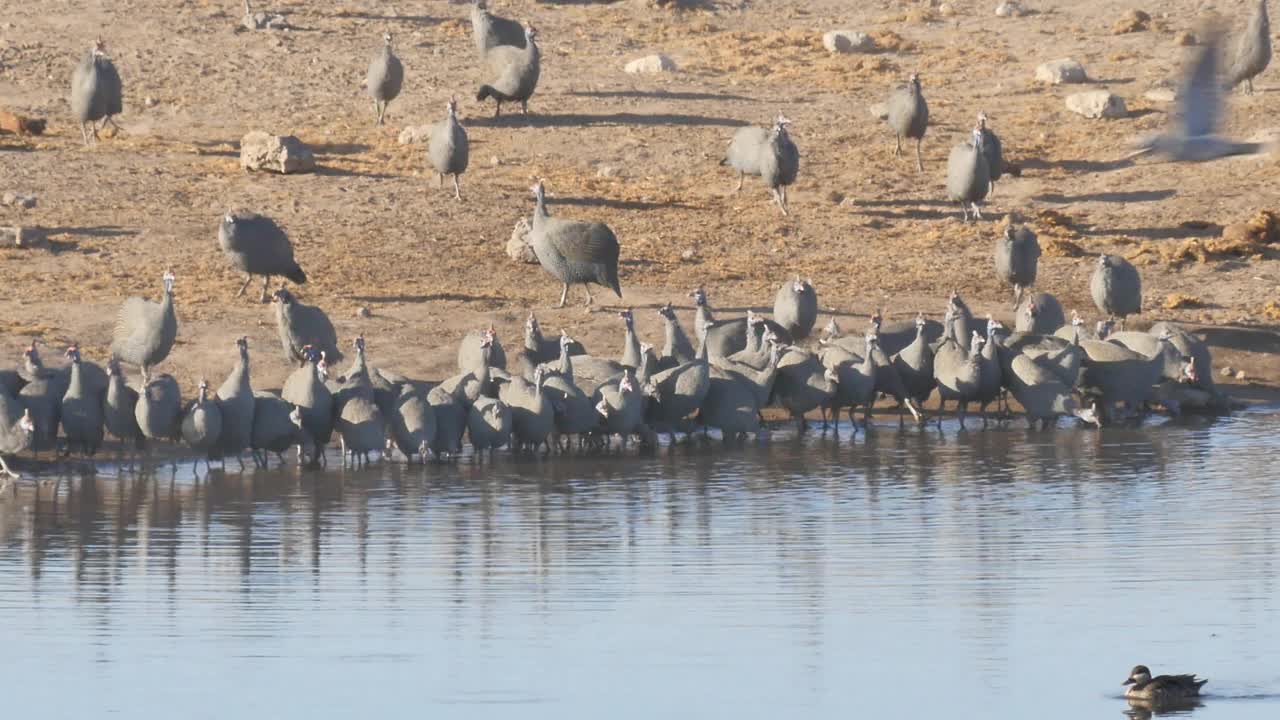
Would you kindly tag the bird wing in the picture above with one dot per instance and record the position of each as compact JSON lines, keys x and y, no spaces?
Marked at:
{"x":587,"y":242}
{"x":1200,"y":102}
{"x":133,"y":312}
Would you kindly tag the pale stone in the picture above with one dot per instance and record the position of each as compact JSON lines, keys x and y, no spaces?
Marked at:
{"x":848,"y":41}
{"x":651,"y":64}
{"x":518,"y":248}
{"x":1061,"y":72}
{"x":415,"y":134}
{"x":278,"y":153}
{"x":880,"y":111}
{"x":1010,"y":9}
{"x":1097,"y":104}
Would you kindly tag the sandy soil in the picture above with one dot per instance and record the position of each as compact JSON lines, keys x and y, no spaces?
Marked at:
{"x":640,"y":153}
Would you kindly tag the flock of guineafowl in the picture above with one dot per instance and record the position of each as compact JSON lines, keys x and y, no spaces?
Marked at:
{"x":550,"y":392}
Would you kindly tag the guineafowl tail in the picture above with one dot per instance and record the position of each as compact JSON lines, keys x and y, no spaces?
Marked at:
{"x":296,"y":276}
{"x":486,"y":92}
{"x":724,"y":161}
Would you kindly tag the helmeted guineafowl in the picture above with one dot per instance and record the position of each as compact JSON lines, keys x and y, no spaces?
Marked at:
{"x":413,"y":423}
{"x":489,"y":31}
{"x":993,"y":150}
{"x":771,"y":154}
{"x":515,"y":72}
{"x":301,"y":325}
{"x":145,"y":331}
{"x":1116,"y":287}
{"x":795,"y":308}
{"x":385,"y":77}
{"x":573,"y":251}
{"x":81,"y":412}
{"x":488,"y":425}
{"x":305,"y":388}
{"x":256,"y":245}
{"x":202,"y":422}
{"x":277,"y":426}
{"x":17,"y":429}
{"x":1253,"y":50}
{"x":119,"y":407}
{"x":1017,"y":257}
{"x":96,"y":91}
{"x":447,"y":148}
{"x":908,"y":115}
{"x":1040,"y":314}
{"x":968,"y":177}
{"x":235,"y":398}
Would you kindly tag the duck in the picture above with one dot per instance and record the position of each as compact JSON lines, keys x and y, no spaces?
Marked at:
{"x":1161,"y":688}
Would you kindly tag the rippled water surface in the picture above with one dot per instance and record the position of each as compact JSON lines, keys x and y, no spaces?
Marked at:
{"x":994,"y":574}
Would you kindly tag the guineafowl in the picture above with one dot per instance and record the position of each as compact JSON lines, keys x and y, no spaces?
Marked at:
{"x":726,"y":337}
{"x":795,"y":308}
{"x":17,"y":429}
{"x":1193,"y":347}
{"x":539,"y":349}
{"x":532,"y":415}
{"x":893,"y":337}
{"x":1041,"y":314}
{"x":908,"y":116}
{"x":575,"y":413}
{"x":81,"y":412}
{"x":488,"y":425}
{"x":301,"y":325}
{"x":96,"y":92}
{"x":992,"y":150}
{"x":256,"y":245}
{"x":145,"y":331}
{"x":573,"y":251}
{"x":360,"y":424}
{"x":515,"y":71}
{"x":489,"y":31}
{"x":771,"y":154}
{"x":305,"y":388}
{"x":413,"y":423}
{"x":887,"y":380}
{"x":680,"y":392}
{"x":277,"y":426}
{"x":447,"y":148}
{"x":119,"y":406}
{"x":756,"y":353}
{"x":451,"y":422}
{"x":1042,"y":394}
{"x":1116,"y":288}
{"x":676,"y":348}
{"x":1253,"y":50}
{"x":1115,"y":374}
{"x":622,"y":406}
{"x":959,"y":374}
{"x":44,"y":399}
{"x":803,"y":384}
{"x":855,"y":380}
{"x":235,"y":398}
{"x":159,"y":409}
{"x":385,"y":77}
{"x":762,"y":379}
{"x":470,"y":385}
{"x":915,"y":364}
{"x":1017,"y":257}
{"x":202,"y":422}
{"x":968,"y":177}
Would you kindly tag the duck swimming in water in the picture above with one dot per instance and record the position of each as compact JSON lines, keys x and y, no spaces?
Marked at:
{"x":1161,"y":689}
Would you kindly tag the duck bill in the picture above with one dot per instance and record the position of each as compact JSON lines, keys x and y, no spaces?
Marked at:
{"x":1127,"y":682}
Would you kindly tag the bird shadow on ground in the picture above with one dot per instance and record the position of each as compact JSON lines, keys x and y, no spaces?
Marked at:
{"x":1111,"y":81}
{"x":1076,"y":165}
{"x":897,"y":202}
{"x":339,"y":148}
{"x":1178,"y":232}
{"x":912,"y":214}
{"x":580,"y":120}
{"x":221,"y":148}
{"x":1259,"y":340}
{"x":92,"y":231}
{"x":419,"y":299}
{"x":1132,"y":196}
{"x":382,"y":17}
{"x":658,"y":95}
{"x":327,"y":171}
{"x":616,"y":204}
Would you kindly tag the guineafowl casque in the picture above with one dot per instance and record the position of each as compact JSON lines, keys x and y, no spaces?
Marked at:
{"x":256,"y":245}
{"x":1017,"y":257}
{"x":447,"y":149}
{"x":96,"y":91}
{"x":795,"y":308}
{"x":81,"y":411}
{"x":145,"y":331}
{"x":385,"y":77}
{"x":1253,"y":50}
{"x":515,"y":71}
{"x":489,"y":31}
{"x":1116,"y":288}
{"x":771,"y":154}
{"x":908,"y":116}
{"x":993,"y":150}
{"x":301,"y":325}
{"x":573,"y":251}
{"x":968,"y":177}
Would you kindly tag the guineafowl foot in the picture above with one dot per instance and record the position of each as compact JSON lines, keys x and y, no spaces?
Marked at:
{"x":897,"y":146}
{"x":457,"y":190}
{"x":245,"y":286}
{"x":564,"y":295}
{"x":919,"y":160}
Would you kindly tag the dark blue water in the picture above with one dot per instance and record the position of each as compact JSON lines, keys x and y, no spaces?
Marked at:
{"x":997,"y":574}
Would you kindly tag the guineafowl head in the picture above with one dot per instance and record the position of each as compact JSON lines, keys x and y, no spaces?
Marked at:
{"x":99,"y":47}
{"x":920,"y":323}
{"x":993,"y":326}
{"x":539,"y":190}
{"x":982,"y":120}
{"x":73,"y":353}
{"x":168,"y":279}
{"x":699,"y":297}
{"x":914,"y":81}
{"x":452,"y":106}
{"x":645,"y":348}
{"x":532,"y":323}
{"x":322,"y":366}
{"x":566,"y":341}
{"x":530,"y":32}
{"x":797,"y":286}
{"x":876,"y":320}
{"x":602,"y":407}
{"x":386,"y":39}
{"x":113,"y":367}
{"x":832,"y":329}
{"x":282,"y":296}
{"x":753,"y":319}
{"x":25,"y":423}
{"x":242,"y":346}
{"x":1076,"y":320}
{"x":204,"y":389}
{"x":359,"y":344}
{"x":1105,"y":261}
{"x":1189,"y":372}
{"x":627,"y":318}
{"x":667,"y":311}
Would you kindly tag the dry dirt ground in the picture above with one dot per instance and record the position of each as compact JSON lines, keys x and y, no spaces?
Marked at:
{"x":638,"y":152}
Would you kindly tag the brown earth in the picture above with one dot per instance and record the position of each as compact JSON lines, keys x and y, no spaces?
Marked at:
{"x":637,"y":152}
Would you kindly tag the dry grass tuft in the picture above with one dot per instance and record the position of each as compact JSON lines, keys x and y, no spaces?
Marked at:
{"x":1177,"y":301}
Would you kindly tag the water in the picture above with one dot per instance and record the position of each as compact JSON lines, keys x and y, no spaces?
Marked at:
{"x":994,"y":574}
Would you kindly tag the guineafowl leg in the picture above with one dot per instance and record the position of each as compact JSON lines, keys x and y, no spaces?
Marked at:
{"x":737,"y":189}
{"x":524,"y":107}
{"x":964,"y":211}
{"x":1248,"y":86}
{"x":498,"y":110}
{"x":586,"y":287}
{"x":991,"y":189}
{"x":1017,"y":295}
{"x":265,"y":297}
{"x":4,"y":469}
{"x":977,"y":211}
{"x":919,"y":161}
{"x":457,"y":190}
{"x":897,"y":146}
{"x":963,"y":406}
{"x":84,"y":134}
{"x":781,"y":200}
{"x":564,"y":295}
{"x":247,"y":279}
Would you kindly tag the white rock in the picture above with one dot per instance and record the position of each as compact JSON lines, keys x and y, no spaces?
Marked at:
{"x":278,"y":153}
{"x":1059,"y":72}
{"x":848,"y":41}
{"x":651,"y":64}
{"x":1163,"y":92}
{"x":1240,"y":375}
{"x":518,"y":248}
{"x":1096,"y":104}
{"x":880,"y":111}
{"x":1227,"y":371}
{"x":1010,"y":9}
{"x":264,"y":21}
{"x":414,"y":134}
{"x":18,"y":200}
{"x":150,"y":101}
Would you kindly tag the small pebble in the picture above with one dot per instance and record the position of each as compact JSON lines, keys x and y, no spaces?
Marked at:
{"x":1239,"y":374}
{"x":687,"y":255}
{"x":150,"y":101}
{"x":1228,"y":371}
{"x":363,"y":312}
{"x":495,"y":161}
